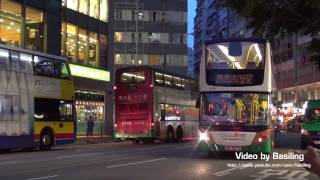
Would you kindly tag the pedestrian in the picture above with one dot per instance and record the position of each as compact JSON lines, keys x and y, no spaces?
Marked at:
{"x":90,"y":125}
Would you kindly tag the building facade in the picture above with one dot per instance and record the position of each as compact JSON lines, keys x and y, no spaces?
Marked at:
{"x":151,"y":33}
{"x":210,"y":23}
{"x":78,"y":30}
{"x":298,"y":79}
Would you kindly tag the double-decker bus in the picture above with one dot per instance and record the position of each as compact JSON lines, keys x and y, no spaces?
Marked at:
{"x":235,"y":88}
{"x":36,"y":100}
{"x":153,"y":104}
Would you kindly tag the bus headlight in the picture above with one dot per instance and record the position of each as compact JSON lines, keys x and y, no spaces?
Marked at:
{"x":203,"y":136}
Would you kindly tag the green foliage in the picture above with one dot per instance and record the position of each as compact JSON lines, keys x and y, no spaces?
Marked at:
{"x":269,"y":18}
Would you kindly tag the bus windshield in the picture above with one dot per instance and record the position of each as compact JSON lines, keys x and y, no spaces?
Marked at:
{"x":248,"y":109}
{"x":235,"y":63}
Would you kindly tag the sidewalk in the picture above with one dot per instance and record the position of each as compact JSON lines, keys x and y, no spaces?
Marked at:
{"x":82,"y":140}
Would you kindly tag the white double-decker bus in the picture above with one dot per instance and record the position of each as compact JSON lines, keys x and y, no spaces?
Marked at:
{"x":235,"y":86}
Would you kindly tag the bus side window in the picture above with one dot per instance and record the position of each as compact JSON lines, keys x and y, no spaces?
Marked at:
{"x":61,"y":70}
{"x":43,"y":66}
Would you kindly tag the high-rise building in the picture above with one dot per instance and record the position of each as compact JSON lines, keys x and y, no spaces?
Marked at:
{"x":152,"y":33}
{"x":210,"y":23}
{"x":78,"y":30}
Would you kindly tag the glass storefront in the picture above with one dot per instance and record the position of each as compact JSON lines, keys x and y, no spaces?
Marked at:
{"x":81,"y":46}
{"x":90,"y":104}
{"x":95,"y":8}
{"x":21,"y":27}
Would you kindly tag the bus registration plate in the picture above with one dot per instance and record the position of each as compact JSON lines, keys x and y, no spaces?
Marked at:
{"x":232,"y":148}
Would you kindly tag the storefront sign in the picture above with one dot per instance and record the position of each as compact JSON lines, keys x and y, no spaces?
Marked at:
{"x":90,"y":73}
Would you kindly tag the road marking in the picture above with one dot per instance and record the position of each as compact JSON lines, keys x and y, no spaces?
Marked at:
{"x":225,"y":172}
{"x":8,"y":162}
{"x":44,"y":177}
{"x":184,"y":147}
{"x":134,"y":163}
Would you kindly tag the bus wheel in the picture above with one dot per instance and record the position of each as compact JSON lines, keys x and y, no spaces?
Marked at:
{"x":179,"y":134}
{"x":170,"y":136}
{"x":46,"y":140}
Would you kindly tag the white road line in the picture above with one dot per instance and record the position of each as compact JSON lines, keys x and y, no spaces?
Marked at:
{"x":184,"y":147}
{"x":8,"y":162}
{"x":139,"y":162}
{"x":44,"y":177}
{"x":222,"y":173}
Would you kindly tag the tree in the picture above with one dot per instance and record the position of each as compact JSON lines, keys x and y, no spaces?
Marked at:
{"x":277,"y":17}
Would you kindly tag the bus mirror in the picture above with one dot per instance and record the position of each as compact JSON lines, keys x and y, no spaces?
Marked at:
{"x":197,"y":102}
{"x":235,"y":49}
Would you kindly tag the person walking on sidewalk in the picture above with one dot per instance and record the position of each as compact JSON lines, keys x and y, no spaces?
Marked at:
{"x":90,"y":125}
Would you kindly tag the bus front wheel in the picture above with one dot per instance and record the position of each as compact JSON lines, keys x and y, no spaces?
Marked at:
{"x":46,"y":140}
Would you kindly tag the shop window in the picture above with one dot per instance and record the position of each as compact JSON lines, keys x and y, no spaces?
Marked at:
{"x":93,"y":49}
{"x":34,"y":30}
{"x":10,"y":23}
{"x":83,"y":6}
{"x":71,"y":43}
{"x":83,"y":45}
{"x":94,"y":8}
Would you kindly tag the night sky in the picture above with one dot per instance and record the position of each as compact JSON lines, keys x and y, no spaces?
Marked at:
{"x":192,"y":4}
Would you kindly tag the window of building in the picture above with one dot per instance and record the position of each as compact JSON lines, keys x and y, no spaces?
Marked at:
{"x":103,"y":49}
{"x":71,"y":44}
{"x":83,"y":6}
{"x":34,"y":29}
{"x":80,"y":45}
{"x":133,"y":15}
{"x":133,"y":37}
{"x":94,"y":8}
{"x":83,"y":46}
{"x":72,"y":4}
{"x":10,"y":23}
{"x":93,"y":49}
{"x":175,"y":38}
{"x":118,"y":59}
{"x":154,"y":37}
{"x":118,"y":15}
{"x":118,"y":36}
{"x":154,"y":59}
{"x":104,"y":10}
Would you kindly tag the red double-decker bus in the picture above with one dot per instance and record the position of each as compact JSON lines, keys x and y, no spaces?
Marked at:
{"x":153,"y":104}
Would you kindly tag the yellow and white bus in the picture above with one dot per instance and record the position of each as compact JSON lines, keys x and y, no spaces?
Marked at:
{"x":36,"y":100}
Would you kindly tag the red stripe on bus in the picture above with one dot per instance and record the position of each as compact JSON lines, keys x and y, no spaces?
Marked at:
{"x":57,"y":136}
